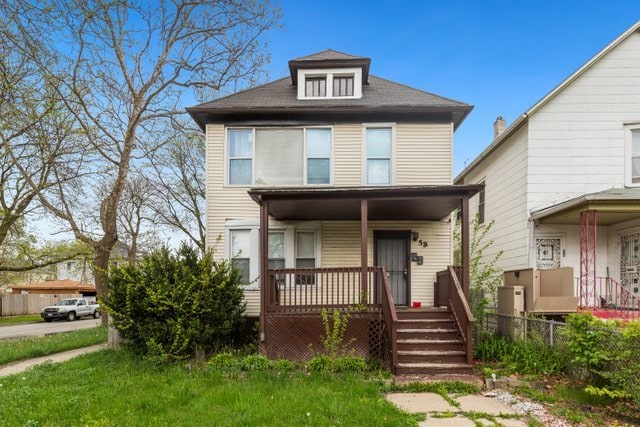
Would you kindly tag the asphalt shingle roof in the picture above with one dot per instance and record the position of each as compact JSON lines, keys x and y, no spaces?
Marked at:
{"x":328,"y":54}
{"x":282,"y":94}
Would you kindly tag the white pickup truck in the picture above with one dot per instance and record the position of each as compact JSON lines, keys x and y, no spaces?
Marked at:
{"x":71,"y":309}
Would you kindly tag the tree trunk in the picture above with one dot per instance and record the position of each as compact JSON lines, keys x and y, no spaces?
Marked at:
{"x":101,"y":275}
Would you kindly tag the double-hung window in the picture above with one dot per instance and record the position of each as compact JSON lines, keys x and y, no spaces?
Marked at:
{"x":240,"y":251}
{"x":279,"y":156}
{"x":342,"y":85}
{"x":305,"y":251}
{"x":481,"y":205}
{"x":378,"y":148}
{"x":635,"y":156}
{"x":241,"y":156}
{"x":276,"y":249}
{"x":318,"y":156}
{"x":316,"y":87}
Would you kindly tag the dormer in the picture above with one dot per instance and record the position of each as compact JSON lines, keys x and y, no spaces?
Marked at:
{"x":329,"y":75}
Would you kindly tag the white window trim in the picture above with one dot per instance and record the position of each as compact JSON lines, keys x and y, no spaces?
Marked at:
{"x":364,"y":167}
{"x":329,"y":72}
{"x":628,"y":151}
{"x":290,"y":230}
{"x":253,"y":155}
{"x":549,"y":235}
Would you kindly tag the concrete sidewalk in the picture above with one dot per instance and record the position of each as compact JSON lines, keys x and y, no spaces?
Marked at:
{"x":442,"y":413}
{"x":22,"y":365}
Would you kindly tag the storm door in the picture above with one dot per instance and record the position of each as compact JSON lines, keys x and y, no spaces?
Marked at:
{"x":392,"y":252}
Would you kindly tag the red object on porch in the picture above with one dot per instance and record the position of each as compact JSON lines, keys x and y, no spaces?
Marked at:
{"x":417,"y":304}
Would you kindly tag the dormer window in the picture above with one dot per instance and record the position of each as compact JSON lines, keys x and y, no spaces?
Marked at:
{"x":315,"y":86}
{"x":343,"y":85}
{"x":330,"y":83}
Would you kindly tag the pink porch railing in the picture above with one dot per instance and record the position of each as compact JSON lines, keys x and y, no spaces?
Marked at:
{"x":605,"y":294}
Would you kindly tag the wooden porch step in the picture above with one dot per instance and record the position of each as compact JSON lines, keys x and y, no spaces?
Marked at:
{"x":423,"y":344}
{"x":427,"y":330}
{"x":432,"y":356}
{"x":424,"y":315}
{"x":428,"y":333}
{"x":433,"y":368}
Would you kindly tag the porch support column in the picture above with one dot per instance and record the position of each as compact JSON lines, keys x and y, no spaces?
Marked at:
{"x":464,"y":245}
{"x":264,"y":256}
{"x":364,"y":256}
{"x":588,"y":244}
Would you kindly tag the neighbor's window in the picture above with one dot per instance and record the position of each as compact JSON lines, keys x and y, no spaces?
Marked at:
{"x":481,"y":206}
{"x":240,"y":244}
{"x":635,"y":156}
{"x":276,"y":249}
{"x":343,"y":85}
{"x":240,"y":156}
{"x":318,"y":156}
{"x":316,"y":86}
{"x":379,"y":146}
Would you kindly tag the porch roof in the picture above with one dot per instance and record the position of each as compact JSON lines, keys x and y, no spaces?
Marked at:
{"x":613,"y":205}
{"x":417,"y":203}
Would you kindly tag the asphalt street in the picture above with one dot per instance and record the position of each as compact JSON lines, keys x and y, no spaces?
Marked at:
{"x":44,"y":328}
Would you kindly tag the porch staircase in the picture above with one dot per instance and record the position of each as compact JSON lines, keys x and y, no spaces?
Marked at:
{"x":429,"y":343}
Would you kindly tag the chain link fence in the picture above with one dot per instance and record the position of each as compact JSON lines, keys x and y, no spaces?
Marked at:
{"x":549,"y":332}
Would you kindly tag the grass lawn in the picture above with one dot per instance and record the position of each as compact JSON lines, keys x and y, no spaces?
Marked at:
{"x":27,"y":348}
{"x":29,"y":318}
{"x":115,"y":388}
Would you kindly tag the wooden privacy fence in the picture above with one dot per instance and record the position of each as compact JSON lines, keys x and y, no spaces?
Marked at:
{"x":21,"y":304}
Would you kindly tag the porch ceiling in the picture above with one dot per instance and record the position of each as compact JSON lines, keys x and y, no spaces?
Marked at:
{"x":384,"y":203}
{"x":613,"y":205}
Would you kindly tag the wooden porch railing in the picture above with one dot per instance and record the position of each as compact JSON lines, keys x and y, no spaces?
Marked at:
{"x":390,"y":319}
{"x":303,"y":290}
{"x":461,"y":312}
{"x":607,"y":294}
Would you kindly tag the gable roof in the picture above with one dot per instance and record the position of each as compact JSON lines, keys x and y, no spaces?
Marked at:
{"x":280,"y":96}
{"x":517,"y":124}
{"x":328,"y":54}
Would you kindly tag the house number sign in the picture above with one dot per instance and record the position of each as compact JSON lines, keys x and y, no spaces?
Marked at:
{"x":423,"y":243}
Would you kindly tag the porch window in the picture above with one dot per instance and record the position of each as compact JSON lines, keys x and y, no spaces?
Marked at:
{"x":240,"y":251}
{"x":318,"y":156}
{"x":316,"y":86}
{"x":276,"y":249}
{"x":240,"y":156}
{"x":305,"y":256}
{"x":635,"y":156}
{"x":379,"y":147}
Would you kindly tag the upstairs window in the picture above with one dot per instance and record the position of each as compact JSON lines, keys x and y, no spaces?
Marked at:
{"x":316,"y":87}
{"x":343,"y":85}
{"x":240,"y":156}
{"x":481,"y":197}
{"x":635,"y":156}
{"x":281,"y":156}
{"x":379,"y":148}
{"x":318,"y":156}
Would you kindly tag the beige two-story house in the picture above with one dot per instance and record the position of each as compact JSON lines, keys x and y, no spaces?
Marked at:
{"x":332,"y":188}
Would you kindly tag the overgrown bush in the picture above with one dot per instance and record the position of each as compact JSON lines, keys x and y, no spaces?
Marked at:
{"x":254,"y":362}
{"x":176,"y":306}
{"x":223,"y":362}
{"x":531,"y":357}
{"x":325,"y":363}
{"x":282,"y":365}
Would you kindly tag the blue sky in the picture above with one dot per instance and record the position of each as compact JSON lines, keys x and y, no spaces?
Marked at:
{"x":501,"y":56}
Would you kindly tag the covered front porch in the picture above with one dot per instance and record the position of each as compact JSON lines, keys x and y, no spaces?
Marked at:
{"x":599,"y":236}
{"x":291,"y":299}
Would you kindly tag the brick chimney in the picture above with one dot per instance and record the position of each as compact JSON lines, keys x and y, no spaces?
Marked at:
{"x":498,"y":126}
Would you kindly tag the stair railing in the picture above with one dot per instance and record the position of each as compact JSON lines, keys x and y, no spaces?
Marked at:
{"x":607,"y":294}
{"x":390,"y":318}
{"x":461,"y":312}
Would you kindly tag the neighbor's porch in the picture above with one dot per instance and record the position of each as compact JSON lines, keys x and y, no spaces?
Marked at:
{"x":292,"y":299}
{"x":600,"y":235}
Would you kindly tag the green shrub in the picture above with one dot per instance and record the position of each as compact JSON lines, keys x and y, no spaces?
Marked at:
{"x":254,"y":362}
{"x":321,"y":363}
{"x":335,"y":329}
{"x":173,"y":307}
{"x":223,"y":361}
{"x":349,"y":364}
{"x":282,"y":365}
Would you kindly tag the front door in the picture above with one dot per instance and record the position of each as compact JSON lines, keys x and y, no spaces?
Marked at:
{"x":391,"y":251}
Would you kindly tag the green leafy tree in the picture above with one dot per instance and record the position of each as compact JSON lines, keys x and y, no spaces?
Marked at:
{"x":484,"y":275}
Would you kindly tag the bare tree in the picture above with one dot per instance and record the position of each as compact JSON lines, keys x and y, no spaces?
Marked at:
{"x":178,"y":176}
{"x":121,"y":68}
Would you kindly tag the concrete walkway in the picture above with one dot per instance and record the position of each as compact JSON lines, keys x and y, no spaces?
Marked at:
{"x":441,"y":412}
{"x":22,"y":365}
{"x":22,"y":330}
